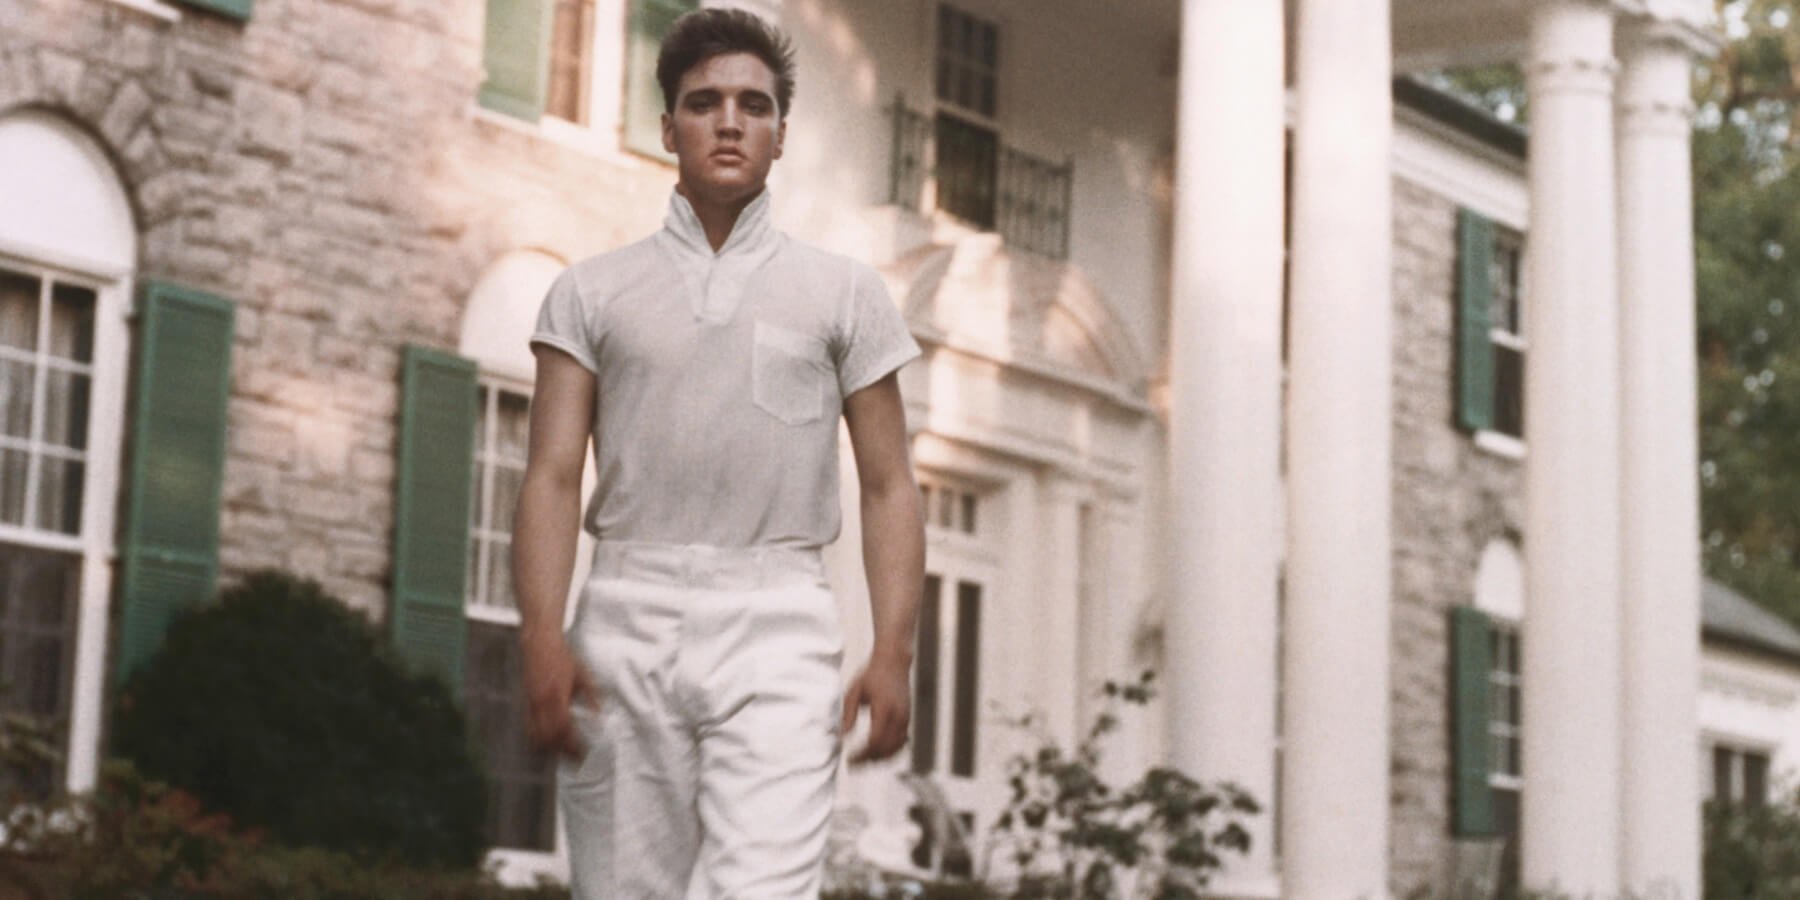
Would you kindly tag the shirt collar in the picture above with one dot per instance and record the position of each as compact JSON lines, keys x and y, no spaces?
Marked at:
{"x":749,"y":233}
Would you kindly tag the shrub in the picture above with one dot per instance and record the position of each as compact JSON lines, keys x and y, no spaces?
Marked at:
{"x":284,"y":710}
{"x":1070,"y":834}
{"x":1752,"y":853}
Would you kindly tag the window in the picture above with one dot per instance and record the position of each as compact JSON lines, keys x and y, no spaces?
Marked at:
{"x":502,"y":425}
{"x":1506,"y":329}
{"x":1490,"y":327}
{"x":1505,"y":777}
{"x":1740,"y":775}
{"x":968,"y":146}
{"x":522,"y":802}
{"x":571,"y":43}
{"x":582,"y":71}
{"x":46,"y":374}
{"x":944,"y":760}
{"x":947,"y":508}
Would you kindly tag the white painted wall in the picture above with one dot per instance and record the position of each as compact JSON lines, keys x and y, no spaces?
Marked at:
{"x":1750,"y":701}
{"x":1113,"y":114}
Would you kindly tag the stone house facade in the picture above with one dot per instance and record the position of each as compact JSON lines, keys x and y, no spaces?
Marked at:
{"x":300,"y":244}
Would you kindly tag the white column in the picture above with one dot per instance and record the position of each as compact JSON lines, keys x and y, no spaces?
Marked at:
{"x":1660,"y":578}
{"x":1336,"y":677}
{"x":1224,"y":416}
{"x":1570,"y":823}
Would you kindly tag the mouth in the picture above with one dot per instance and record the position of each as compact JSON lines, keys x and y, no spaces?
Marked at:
{"x":728,"y":155}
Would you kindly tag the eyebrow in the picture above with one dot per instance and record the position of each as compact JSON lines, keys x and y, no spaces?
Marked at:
{"x":711,"y":93}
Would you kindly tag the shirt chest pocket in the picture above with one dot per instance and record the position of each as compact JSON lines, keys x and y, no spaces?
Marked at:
{"x":788,"y":374}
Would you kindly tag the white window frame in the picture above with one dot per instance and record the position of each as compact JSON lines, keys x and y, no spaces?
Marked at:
{"x":1494,"y":440}
{"x":958,"y":556}
{"x":603,"y":97}
{"x":487,"y":461}
{"x":100,"y":487}
{"x":1740,"y":751}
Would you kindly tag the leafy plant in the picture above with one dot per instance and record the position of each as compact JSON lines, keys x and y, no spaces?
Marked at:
{"x":1070,"y":834}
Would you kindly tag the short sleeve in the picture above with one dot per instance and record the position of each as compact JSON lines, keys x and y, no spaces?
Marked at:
{"x":563,"y":322}
{"x":875,"y":340}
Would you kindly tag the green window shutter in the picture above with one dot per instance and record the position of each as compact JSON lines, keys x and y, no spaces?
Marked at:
{"x":650,"y":20}
{"x":431,"y":515}
{"x":516,"y":55}
{"x":182,"y":384}
{"x":236,"y":9}
{"x":1474,"y":347}
{"x":1471,"y":661}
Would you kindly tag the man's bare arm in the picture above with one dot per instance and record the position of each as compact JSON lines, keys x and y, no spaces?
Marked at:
{"x":893,"y":545}
{"x":545,"y":529}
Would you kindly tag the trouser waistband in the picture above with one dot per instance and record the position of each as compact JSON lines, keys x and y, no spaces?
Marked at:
{"x":708,"y":567}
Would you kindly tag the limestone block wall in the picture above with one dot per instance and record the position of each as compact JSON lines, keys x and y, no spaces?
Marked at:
{"x":324,"y":166}
{"x":1450,"y":499}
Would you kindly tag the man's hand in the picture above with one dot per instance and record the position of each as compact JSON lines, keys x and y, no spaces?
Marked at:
{"x":554,"y":682}
{"x":884,"y":686}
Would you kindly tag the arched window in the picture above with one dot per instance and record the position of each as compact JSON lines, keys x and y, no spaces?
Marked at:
{"x":496,"y":335}
{"x":68,"y":245}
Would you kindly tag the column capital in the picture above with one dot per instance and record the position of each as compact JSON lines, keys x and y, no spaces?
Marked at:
{"x":1656,"y":60}
{"x":1571,"y":48}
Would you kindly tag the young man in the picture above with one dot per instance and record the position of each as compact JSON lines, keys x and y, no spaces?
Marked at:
{"x":696,"y":699}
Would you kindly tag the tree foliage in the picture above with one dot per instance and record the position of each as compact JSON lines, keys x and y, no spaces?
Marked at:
{"x":1747,"y":246}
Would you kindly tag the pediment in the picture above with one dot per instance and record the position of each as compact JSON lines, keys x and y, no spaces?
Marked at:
{"x":1040,"y":310}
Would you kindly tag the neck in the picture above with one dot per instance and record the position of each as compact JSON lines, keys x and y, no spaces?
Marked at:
{"x":717,"y":216}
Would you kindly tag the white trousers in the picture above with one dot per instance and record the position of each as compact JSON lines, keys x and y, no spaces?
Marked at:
{"x":710,"y":766}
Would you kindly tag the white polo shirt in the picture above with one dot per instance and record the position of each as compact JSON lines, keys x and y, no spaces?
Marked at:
{"x":720,"y":378}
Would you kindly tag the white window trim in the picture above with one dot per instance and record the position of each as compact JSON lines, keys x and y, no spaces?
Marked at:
{"x":152,"y":8}
{"x":106,"y":411}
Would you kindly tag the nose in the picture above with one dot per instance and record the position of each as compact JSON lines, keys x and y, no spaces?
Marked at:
{"x":731,"y":118}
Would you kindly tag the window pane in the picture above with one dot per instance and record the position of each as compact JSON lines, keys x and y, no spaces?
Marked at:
{"x":512,"y":426}
{"x":59,"y":494}
{"x":519,"y":812}
{"x":66,"y":409}
{"x":569,"y":32}
{"x":967,"y":166}
{"x":472,"y":584}
{"x":1509,"y":391}
{"x":476,"y":521}
{"x":72,"y":322}
{"x":15,"y":399}
{"x":507,"y":481}
{"x":1756,"y":778}
{"x":968,"y":511}
{"x":499,"y":592}
{"x":19,"y":310}
{"x":13,"y":466}
{"x":38,"y":593}
{"x":925,"y":680}
{"x":1722,"y":775}
{"x":968,"y":666}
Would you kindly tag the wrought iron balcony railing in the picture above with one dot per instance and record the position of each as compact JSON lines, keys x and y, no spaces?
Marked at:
{"x":953,"y":164}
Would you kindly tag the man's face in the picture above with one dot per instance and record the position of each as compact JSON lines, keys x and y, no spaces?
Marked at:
{"x":726,"y":130}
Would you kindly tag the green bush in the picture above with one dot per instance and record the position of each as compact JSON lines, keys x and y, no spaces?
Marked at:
{"x":284,"y":710}
{"x":1752,"y":853}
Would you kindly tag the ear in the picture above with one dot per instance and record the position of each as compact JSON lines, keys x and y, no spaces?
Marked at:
{"x":780,"y":137}
{"x":668,"y":132}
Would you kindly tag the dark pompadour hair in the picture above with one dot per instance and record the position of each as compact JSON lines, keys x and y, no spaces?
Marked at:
{"x":706,"y":33}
